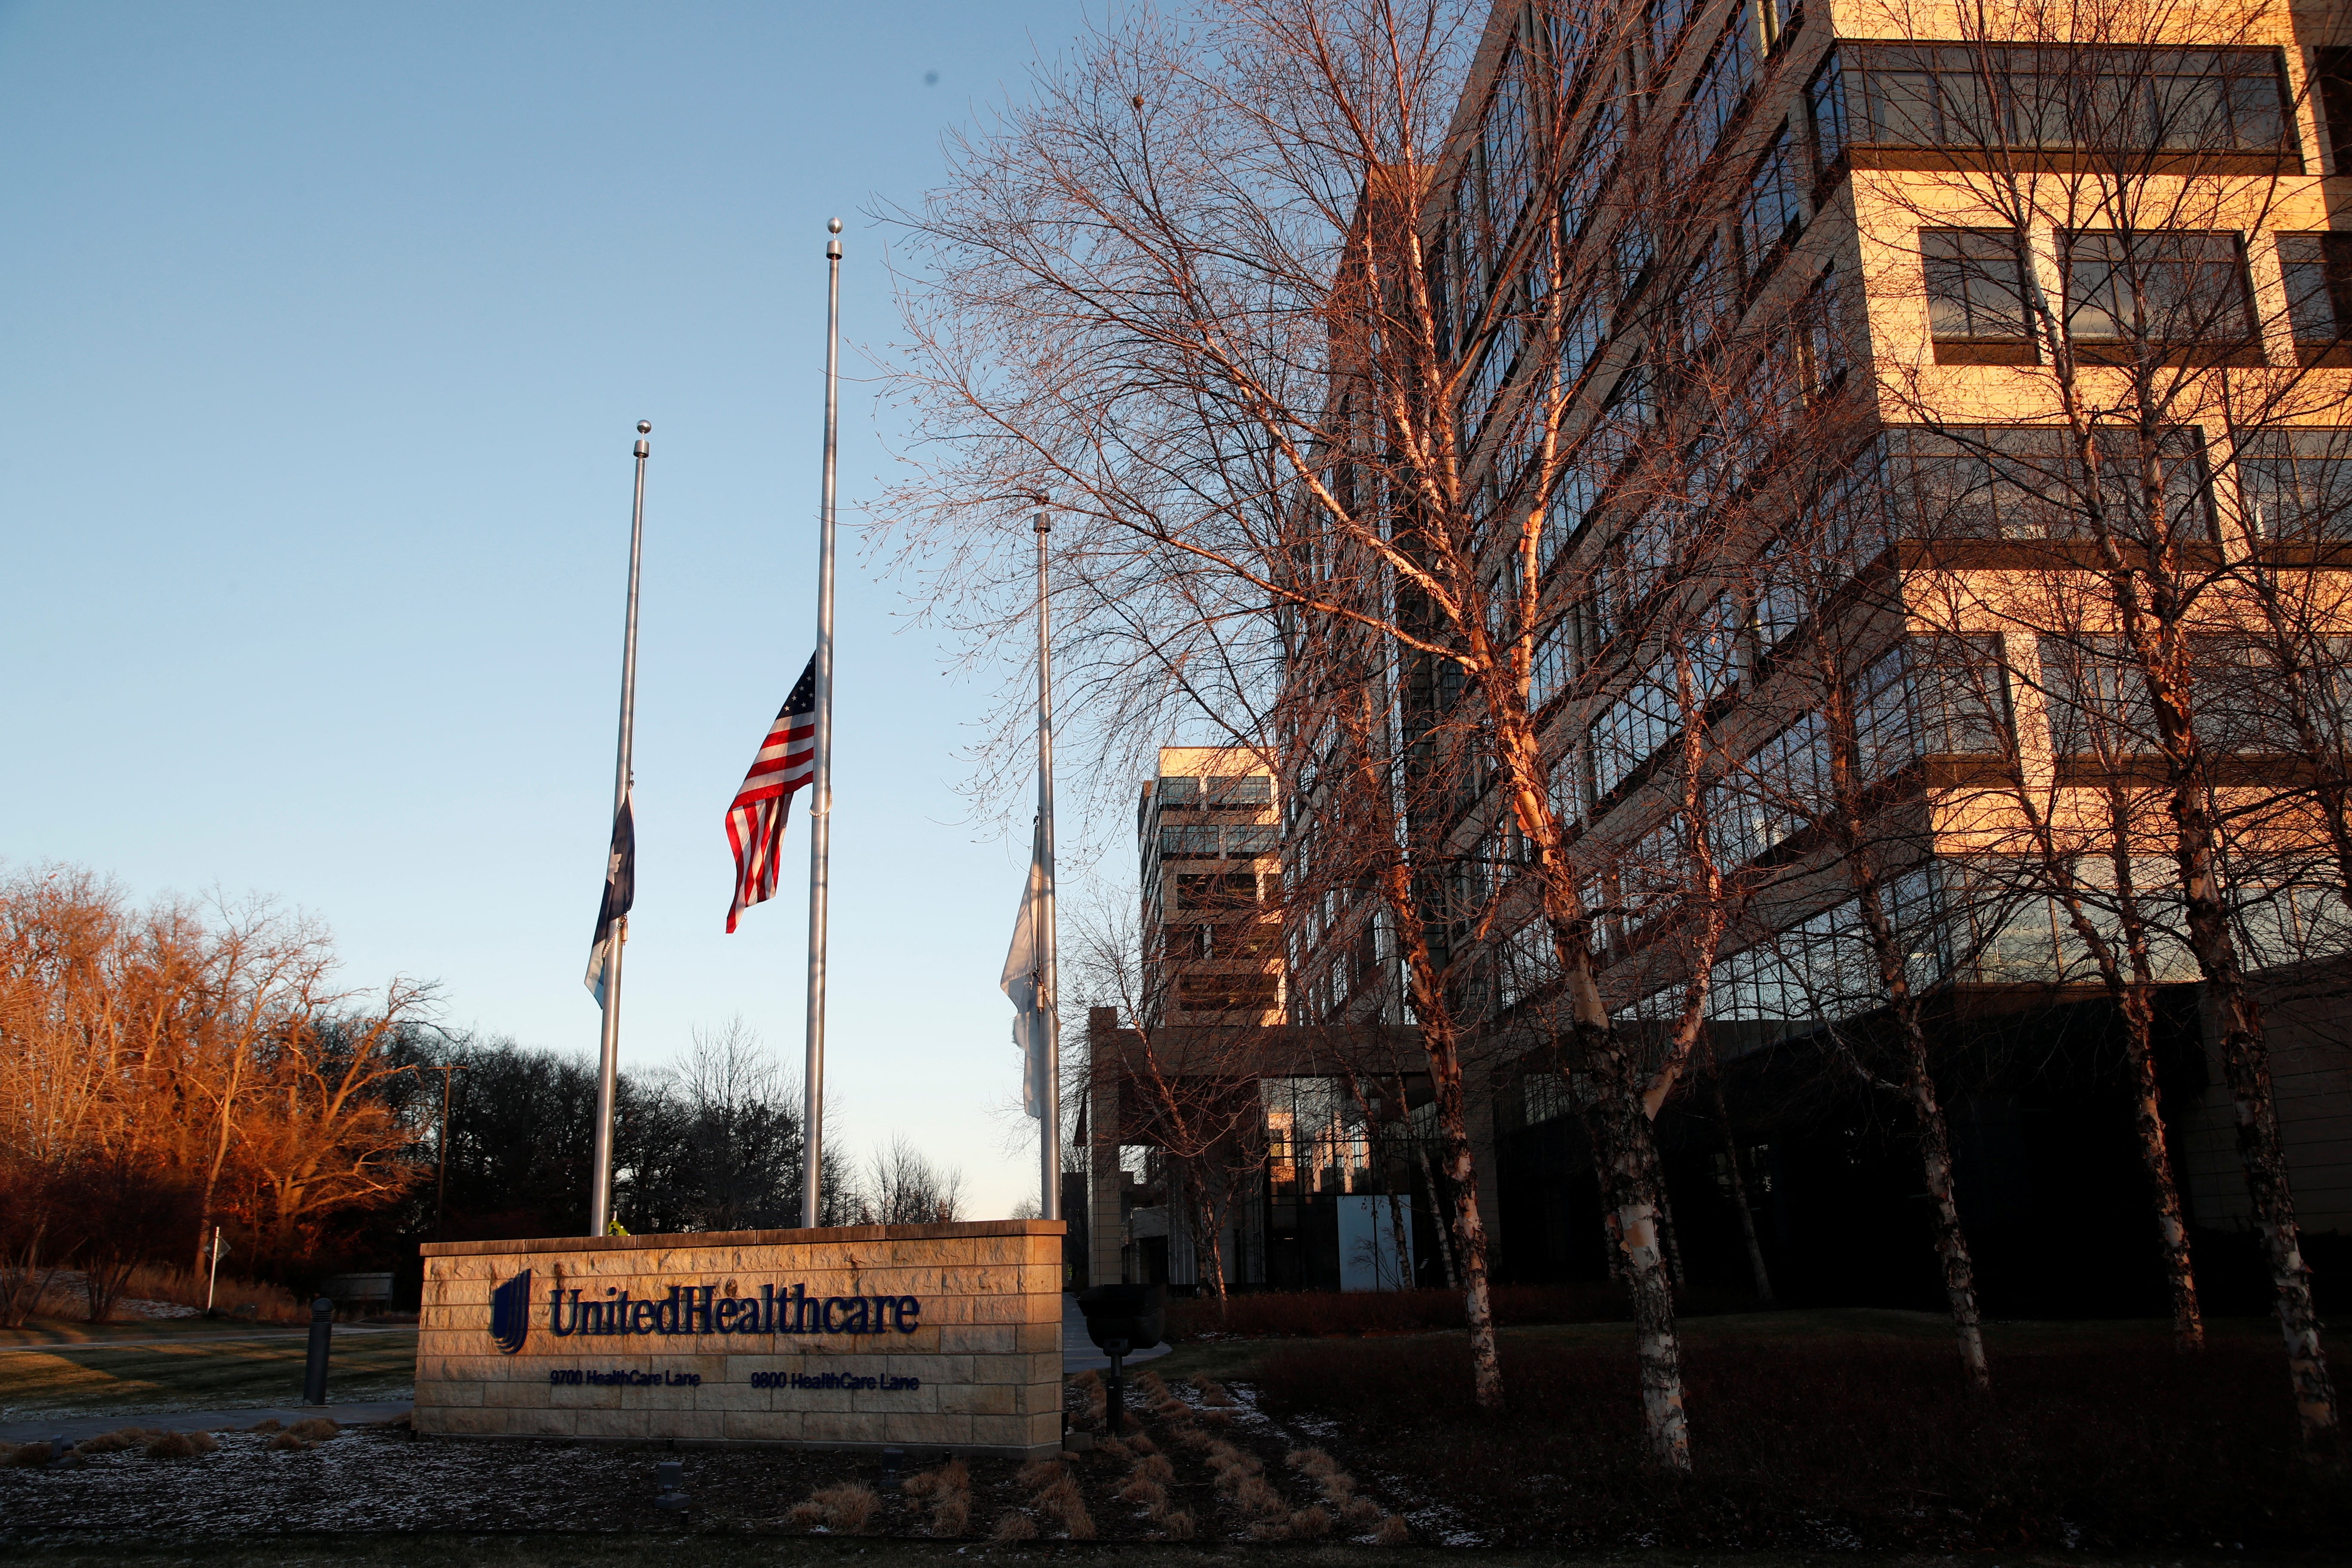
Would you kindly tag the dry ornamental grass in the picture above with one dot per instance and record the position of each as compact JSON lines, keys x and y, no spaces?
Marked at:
{"x":846,"y":1509}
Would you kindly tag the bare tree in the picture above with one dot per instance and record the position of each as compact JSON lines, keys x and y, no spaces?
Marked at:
{"x":2128,"y":292}
{"x":904,"y":1187}
{"x":1190,"y":1087}
{"x":1217,"y":288}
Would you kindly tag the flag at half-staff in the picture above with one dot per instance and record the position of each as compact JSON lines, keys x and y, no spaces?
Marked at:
{"x":620,"y":893}
{"x":755,"y":821}
{"x":1025,"y":977}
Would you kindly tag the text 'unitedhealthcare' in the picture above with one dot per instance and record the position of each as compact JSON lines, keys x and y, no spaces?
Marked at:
{"x":699,"y":1310}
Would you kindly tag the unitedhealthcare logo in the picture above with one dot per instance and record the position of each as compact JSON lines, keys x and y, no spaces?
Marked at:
{"x":510,"y":1312}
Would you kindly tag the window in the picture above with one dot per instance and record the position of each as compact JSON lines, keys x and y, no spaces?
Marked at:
{"x":2318,"y":271}
{"x":1217,"y":890}
{"x":1824,"y":334}
{"x":1668,"y":21}
{"x":1503,"y":149}
{"x":1825,"y":117}
{"x":1229,"y":993}
{"x":2167,"y":288}
{"x":1581,"y":341}
{"x":1244,"y":792}
{"x":1197,"y":842}
{"x":1174,"y":791}
{"x":2098,"y":697}
{"x":1243,"y":843}
{"x":2167,"y":100}
{"x":1632,"y":251}
{"x":1549,"y":668}
{"x":1931,"y":696}
{"x":1632,"y":730}
{"x":1700,"y":303}
{"x":1770,"y":213}
{"x":1721,"y":89}
{"x":2024,"y":482}
{"x":1770,"y":798}
{"x":1570,"y":502}
{"x":1976,"y":296}
{"x":2334,"y":69}
{"x":1595,"y":161}
{"x":2297,"y":484}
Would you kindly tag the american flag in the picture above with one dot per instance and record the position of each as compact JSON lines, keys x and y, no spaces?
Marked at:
{"x":755,"y":822}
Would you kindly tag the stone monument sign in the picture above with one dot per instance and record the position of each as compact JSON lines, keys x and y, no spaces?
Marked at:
{"x":912,"y":1335}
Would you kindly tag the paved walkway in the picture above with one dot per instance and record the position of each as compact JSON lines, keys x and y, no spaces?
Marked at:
{"x":40,"y":1430}
{"x":1078,"y":1353}
{"x":226,"y":1336}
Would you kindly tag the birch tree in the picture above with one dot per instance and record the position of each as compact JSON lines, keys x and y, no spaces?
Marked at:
{"x":2142,"y":328}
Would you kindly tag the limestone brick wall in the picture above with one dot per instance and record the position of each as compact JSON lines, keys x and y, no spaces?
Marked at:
{"x":980,"y":1370}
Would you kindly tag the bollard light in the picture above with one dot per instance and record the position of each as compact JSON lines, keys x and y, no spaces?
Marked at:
{"x":672,"y":1474}
{"x":314,"y":1366}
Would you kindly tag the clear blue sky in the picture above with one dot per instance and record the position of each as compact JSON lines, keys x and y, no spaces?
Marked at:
{"x":322,"y":331}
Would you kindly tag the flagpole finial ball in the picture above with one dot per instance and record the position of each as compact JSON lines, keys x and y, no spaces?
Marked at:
{"x":833,"y":227}
{"x":645,"y":427}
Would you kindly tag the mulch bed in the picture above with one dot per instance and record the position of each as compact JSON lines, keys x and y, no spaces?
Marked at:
{"x":1198,"y":1455}
{"x":1865,"y":1445}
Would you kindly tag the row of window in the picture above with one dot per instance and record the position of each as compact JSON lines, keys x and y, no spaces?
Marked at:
{"x":1209,"y":841}
{"x":2169,"y":289}
{"x":1232,"y":792}
{"x":2053,"y":97}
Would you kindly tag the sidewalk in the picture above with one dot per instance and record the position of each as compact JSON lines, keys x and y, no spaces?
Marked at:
{"x":40,"y":1430}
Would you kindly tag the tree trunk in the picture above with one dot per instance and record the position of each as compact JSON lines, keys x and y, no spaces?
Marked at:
{"x":1403,"y":1248}
{"x":1935,"y":1164}
{"x":1669,"y":1233}
{"x":2245,"y":1064}
{"x":2147,"y":1121}
{"x":1628,"y":1156}
{"x":1442,"y":1051}
{"x":1438,"y":1226}
{"x":1739,"y":1191}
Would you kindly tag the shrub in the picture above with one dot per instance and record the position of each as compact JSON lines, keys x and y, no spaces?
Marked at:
{"x":1014,"y":1526}
{"x":847,"y":1508}
{"x":1394,"y":1531}
{"x":316,"y":1429}
{"x":1310,"y":1523}
{"x":1279,"y":1314}
{"x":1176,"y":1525}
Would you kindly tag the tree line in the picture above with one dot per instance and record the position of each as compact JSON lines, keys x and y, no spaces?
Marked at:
{"x":186,"y":1067}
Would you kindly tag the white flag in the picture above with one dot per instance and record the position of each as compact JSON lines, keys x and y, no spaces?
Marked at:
{"x":1024,"y":979}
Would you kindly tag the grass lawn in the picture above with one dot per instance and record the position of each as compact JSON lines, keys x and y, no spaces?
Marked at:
{"x":1242,"y":1358}
{"x":133,"y":1368}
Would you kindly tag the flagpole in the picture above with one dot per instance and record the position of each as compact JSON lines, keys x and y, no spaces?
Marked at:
{"x":1049,"y":1093}
{"x":821,"y":809}
{"x":608,"y":1067}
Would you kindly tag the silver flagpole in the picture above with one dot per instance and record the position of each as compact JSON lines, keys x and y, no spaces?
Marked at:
{"x":608,"y":1068}
{"x":820,"y":811}
{"x":1049,"y":1093}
